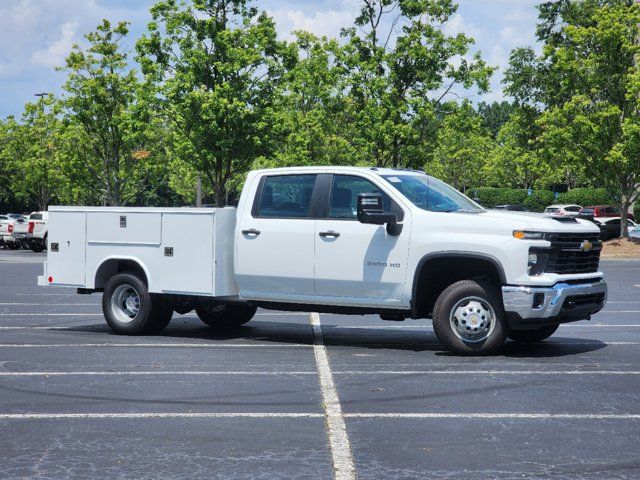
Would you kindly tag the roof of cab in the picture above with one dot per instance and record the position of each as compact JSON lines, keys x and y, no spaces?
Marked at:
{"x":329,"y":169}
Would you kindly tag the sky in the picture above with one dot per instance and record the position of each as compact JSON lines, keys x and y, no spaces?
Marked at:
{"x":36,"y":35}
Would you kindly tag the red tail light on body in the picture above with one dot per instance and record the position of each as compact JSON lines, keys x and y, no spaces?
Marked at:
{"x":31,"y":226}
{"x":10,"y":228}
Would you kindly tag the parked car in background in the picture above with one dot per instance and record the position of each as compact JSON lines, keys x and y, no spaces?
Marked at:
{"x":562,"y":210}
{"x":512,"y":208}
{"x":611,"y":227}
{"x":3,"y":221}
{"x":37,"y":231}
{"x":603,"y":211}
{"x":634,"y":233}
{"x":7,"y":230}
{"x":20,"y":228}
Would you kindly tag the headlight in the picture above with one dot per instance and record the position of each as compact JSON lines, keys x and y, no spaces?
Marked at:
{"x":524,"y":235}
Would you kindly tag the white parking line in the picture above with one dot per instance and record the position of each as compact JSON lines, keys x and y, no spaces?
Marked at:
{"x":526,"y":416}
{"x":339,"y":372}
{"x":200,"y":415}
{"x":339,"y":444}
{"x":57,"y":416}
{"x":152,"y":345}
{"x":51,"y":314}
{"x":150,"y":372}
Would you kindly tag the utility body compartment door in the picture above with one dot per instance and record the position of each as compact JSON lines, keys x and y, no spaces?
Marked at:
{"x":67,"y":248}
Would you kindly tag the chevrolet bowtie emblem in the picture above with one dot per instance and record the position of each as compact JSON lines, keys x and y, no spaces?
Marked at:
{"x":586,"y":245}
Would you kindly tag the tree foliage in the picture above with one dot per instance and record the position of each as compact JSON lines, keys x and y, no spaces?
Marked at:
{"x":216,"y":64}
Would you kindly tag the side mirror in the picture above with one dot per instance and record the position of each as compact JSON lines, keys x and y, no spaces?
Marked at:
{"x":371,"y":210}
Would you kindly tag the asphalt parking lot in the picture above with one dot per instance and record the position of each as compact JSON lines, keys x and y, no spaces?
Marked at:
{"x":304,"y":396}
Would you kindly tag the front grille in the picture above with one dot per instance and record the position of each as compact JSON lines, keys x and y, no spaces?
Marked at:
{"x":566,"y":257}
{"x":591,"y":300}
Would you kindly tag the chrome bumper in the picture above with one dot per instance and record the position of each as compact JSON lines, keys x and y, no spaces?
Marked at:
{"x":519,"y":300}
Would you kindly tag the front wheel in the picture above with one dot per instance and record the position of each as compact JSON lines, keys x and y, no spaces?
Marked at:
{"x":225,"y":315}
{"x":533,"y":335}
{"x":468,"y":318}
{"x":130,"y":309}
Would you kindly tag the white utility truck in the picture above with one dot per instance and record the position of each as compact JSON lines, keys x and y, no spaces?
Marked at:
{"x":396,"y":243}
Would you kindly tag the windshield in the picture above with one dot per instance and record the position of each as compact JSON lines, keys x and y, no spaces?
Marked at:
{"x":430,"y":194}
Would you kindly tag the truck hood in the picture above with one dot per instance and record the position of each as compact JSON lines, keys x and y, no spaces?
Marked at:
{"x":491,"y":222}
{"x":538,"y":222}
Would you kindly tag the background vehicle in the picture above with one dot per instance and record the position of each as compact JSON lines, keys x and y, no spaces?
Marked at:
{"x":7,"y":231}
{"x":20,"y":229}
{"x":634,"y":233}
{"x":37,"y":231}
{"x":512,"y":208}
{"x":610,"y":227}
{"x":562,"y":210}
{"x":335,"y":239}
{"x":603,"y":211}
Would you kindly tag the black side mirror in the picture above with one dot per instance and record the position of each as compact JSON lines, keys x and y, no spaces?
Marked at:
{"x":371,"y":210}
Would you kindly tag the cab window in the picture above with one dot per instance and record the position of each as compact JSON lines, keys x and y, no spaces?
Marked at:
{"x":286,"y":196}
{"x":343,"y":201}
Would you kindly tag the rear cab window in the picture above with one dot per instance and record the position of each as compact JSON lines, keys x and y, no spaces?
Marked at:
{"x":284,"y":196}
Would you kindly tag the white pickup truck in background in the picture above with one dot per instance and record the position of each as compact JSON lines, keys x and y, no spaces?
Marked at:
{"x":396,"y":243}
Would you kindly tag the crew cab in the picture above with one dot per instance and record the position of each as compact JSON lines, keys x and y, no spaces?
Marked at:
{"x":396,"y":243}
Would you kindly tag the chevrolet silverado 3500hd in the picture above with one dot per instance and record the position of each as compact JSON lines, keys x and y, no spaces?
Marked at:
{"x":400,"y":244}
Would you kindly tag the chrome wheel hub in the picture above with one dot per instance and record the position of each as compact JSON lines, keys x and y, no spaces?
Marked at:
{"x":472,"y":319}
{"x":125,"y":303}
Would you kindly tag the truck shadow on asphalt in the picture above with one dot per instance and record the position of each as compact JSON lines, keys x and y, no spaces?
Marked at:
{"x":348,"y":336}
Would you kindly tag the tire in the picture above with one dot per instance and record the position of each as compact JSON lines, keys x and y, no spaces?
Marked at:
{"x":130,"y":309}
{"x":37,"y":246}
{"x":13,"y":246}
{"x":479,"y":304}
{"x":534,"y":335}
{"x":225,"y":316}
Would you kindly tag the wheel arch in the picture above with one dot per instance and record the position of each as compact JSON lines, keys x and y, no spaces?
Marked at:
{"x":116,"y":264}
{"x":436,"y":271}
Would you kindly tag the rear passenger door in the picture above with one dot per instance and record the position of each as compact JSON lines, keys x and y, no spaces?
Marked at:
{"x":275,"y":244}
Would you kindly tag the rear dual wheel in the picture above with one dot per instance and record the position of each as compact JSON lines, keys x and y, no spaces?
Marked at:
{"x":225,"y":316}
{"x":130,"y":309}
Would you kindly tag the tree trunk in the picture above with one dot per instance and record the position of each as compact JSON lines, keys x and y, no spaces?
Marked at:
{"x":624,"y":209}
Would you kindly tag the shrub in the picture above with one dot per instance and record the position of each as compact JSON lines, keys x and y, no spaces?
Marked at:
{"x":585,"y":197}
{"x":636,"y":211}
{"x":539,"y":200}
{"x":490,"y":197}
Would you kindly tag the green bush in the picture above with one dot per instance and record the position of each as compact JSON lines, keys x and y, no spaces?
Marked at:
{"x":539,"y":200}
{"x":585,"y":197}
{"x":636,"y":211}
{"x":490,"y":197}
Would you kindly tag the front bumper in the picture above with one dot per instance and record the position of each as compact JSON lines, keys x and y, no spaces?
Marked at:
{"x":563,"y":302}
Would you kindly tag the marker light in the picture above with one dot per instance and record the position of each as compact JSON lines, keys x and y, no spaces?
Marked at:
{"x":523,"y":235}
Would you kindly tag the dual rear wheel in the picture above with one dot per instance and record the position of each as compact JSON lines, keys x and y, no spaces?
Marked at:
{"x":130,"y":309}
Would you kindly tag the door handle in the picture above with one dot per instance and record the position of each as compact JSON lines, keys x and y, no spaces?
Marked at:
{"x":329,"y":233}
{"x":251,"y":231}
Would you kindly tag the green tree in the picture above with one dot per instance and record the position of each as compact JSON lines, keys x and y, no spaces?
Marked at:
{"x":310,"y":108}
{"x":217,"y":65}
{"x":495,"y":114}
{"x":592,"y":116}
{"x":34,"y":148}
{"x":463,"y":145}
{"x":399,"y":68}
{"x":108,"y":118}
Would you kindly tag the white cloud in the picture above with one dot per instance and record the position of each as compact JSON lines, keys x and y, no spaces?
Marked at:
{"x":54,"y":54}
{"x":458,"y":24}
{"x":320,"y":22}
